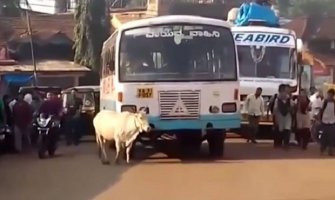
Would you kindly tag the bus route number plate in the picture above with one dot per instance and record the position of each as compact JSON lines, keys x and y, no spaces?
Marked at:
{"x":144,"y":93}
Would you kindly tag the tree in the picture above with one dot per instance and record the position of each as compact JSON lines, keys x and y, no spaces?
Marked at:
{"x":283,"y":6}
{"x":91,"y":30}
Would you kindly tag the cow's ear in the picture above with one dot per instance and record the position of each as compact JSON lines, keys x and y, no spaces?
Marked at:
{"x":144,"y":110}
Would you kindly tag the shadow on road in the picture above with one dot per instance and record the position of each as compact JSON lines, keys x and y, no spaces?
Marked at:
{"x":237,"y":151}
{"x":240,"y":150}
{"x":75,"y":173}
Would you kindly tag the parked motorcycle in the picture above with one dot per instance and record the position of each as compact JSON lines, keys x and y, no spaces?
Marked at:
{"x":47,"y":128}
{"x":6,"y":139}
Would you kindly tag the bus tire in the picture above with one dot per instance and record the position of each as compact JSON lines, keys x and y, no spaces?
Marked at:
{"x":215,"y":139}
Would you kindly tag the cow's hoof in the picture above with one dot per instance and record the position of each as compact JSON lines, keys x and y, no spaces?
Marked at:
{"x":105,"y":162}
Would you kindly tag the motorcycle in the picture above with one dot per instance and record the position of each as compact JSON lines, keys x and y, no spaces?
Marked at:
{"x":47,"y":128}
{"x":6,"y":139}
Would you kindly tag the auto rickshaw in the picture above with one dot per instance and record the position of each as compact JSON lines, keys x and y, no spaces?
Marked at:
{"x":90,"y":96}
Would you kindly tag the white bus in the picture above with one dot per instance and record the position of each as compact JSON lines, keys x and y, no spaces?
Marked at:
{"x":182,"y":69}
{"x":268,"y":57}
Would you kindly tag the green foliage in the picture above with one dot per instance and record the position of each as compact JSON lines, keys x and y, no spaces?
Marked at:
{"x":283,"y":6}
{"x":91,"y":30}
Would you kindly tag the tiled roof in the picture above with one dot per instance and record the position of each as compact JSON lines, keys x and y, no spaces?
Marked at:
{"x":327,"y":29}
{"x":327,"y":59}
{"x":298,"y":25}
{"x":321,"y":62}
{"x":44,"y":66}
{"x":313,"y":27}
{"x":43,"y":26}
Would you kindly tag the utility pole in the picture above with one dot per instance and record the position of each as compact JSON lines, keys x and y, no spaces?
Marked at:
{"x":30,"y":34}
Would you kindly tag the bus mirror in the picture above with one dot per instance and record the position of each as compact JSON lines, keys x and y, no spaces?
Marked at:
{"x":300,"y":45}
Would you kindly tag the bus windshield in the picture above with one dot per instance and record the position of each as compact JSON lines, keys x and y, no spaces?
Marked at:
{"x":177,"y":53}
{"x":267,"y":62}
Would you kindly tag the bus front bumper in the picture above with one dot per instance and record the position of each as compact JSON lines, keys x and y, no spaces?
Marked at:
{"x":263,"y":121}
{"x":228,"y":121}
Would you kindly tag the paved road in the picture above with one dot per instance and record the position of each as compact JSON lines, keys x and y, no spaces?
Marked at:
{"x":249,"y":172}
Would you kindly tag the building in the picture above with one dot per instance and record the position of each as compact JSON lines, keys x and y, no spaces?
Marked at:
{"x":52,"y":42}
{"x":48,"y":6}
{"x":318,"y":34}
{"x":66,"y":6}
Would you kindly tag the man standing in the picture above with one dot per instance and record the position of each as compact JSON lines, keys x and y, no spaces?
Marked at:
{"x":283,"y":116}
{"x":22,"y":115}
{"x":316,"y":101}
{"x":316,"y":104}
{"x":327,"y":116}
{"x":51,"y":106}
{"x":254,"y":105}
{"x":73,"y":118}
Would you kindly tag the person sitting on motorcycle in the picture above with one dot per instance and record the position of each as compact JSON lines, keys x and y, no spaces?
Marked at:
{"x":51,"y":106}
{"x":73,"y":107}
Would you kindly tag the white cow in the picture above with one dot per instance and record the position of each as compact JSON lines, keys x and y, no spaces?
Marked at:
{"x":122,"y":128}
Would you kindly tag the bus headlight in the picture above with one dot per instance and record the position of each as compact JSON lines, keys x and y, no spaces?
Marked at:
{"x":214,"y":109}
{"x":128,"y":108}
{"x":229,"y":107}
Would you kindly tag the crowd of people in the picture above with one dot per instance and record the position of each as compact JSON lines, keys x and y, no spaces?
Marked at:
{"x":306,"y":117}
{"x":18,"y":114}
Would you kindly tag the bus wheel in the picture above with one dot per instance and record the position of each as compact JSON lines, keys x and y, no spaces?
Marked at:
{"x":215,"y":139}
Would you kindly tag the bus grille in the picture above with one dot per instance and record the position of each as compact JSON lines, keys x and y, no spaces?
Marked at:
{"x":178,"y":104}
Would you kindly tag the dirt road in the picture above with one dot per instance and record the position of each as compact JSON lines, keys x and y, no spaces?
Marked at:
{"x":249,"y":172}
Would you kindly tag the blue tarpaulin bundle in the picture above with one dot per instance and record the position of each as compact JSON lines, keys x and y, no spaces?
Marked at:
{"x":250,"y":12}
{"x":18,"y":78}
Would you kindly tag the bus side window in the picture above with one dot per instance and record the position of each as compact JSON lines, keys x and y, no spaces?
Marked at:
{"x":108,"y":67}
{"x":108,"y":64}
{"x":111,"y":62}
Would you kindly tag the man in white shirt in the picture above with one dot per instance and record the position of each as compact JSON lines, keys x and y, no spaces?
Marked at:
{"x":327,"y":116}
{"x":11,"y":104}
{"x":316,"y":105}
{"x":316,"y":101}
{"x":254,"y":105}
